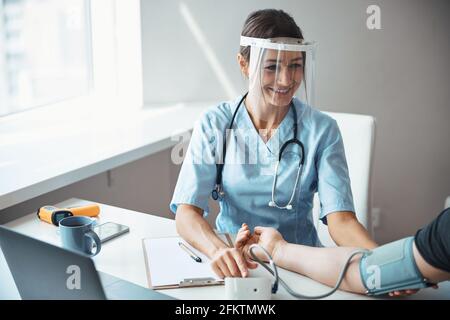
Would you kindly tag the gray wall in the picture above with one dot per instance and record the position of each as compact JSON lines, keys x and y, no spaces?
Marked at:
{"x":399,"y":74}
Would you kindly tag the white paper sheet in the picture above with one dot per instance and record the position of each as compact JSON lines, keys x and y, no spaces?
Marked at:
{"x":169,"y":264}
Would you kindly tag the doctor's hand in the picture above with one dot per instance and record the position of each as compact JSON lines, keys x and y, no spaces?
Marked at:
{"x":244,"y":239}
{"x":230,"y":262}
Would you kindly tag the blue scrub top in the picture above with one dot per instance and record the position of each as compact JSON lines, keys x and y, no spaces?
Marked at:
{"x":250,"y":166}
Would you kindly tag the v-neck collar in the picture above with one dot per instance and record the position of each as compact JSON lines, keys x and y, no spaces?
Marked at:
{"x":283,"y":133}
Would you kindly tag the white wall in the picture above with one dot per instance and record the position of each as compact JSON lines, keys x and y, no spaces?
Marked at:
{"x":399,"y":74}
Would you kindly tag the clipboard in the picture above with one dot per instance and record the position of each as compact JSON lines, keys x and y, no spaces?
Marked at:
{"x":169,"y":267}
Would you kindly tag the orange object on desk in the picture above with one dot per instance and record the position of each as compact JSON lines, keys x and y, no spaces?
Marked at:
{"x":54,"y":215}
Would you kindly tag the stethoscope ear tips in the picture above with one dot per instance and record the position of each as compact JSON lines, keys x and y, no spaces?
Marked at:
{"x":271,"y":204}
{"x":289,"y":207}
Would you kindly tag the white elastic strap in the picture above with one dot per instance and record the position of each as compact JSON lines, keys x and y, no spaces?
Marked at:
{"x":291,"y":44}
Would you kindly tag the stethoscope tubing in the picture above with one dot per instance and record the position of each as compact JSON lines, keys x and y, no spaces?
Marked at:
{"x":218,"y":192}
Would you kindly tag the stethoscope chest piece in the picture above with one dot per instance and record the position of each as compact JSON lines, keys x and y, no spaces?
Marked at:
{"x":272,"y":204}
{"x":217,"y":192}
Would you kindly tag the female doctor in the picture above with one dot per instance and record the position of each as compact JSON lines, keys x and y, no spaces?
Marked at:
{"x":264,"y":155}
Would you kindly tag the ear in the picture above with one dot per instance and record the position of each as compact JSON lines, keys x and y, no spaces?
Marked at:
{"x":243,"y":64}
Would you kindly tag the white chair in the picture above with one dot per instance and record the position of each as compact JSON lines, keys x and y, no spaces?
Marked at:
{"x":358,"y":134}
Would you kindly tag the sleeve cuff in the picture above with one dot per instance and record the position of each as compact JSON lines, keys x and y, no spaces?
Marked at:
{"x":325,"y":211}
{"x":191,"y":201}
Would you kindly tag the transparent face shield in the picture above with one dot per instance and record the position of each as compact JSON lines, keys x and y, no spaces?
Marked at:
{"x":279,"y":69}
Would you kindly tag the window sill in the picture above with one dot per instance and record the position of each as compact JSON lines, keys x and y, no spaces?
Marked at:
{"x":47,"y":150}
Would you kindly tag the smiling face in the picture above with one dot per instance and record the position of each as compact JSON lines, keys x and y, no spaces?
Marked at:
{"x":281,"y":75}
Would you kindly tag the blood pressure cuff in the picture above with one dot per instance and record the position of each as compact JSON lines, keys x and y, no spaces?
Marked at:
{"x":391,"y":267}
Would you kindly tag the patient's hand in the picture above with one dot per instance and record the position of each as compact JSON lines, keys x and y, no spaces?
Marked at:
{"x":269,"y":238}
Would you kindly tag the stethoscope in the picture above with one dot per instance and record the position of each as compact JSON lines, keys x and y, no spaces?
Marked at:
{"x":218,"y":189}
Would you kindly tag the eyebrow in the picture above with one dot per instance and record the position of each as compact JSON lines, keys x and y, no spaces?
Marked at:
{"x":276,"y":60}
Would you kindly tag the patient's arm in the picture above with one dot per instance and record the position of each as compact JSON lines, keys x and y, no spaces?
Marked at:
{"x":321,"y":264}
{"x":432,"y":274}
{"x":432,"y":248}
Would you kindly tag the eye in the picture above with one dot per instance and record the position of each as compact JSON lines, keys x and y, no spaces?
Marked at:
{"x":296,"y":66}
{"x":271,"y":67}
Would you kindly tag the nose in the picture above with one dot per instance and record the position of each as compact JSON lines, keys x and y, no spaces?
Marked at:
{"x":285,"y":76}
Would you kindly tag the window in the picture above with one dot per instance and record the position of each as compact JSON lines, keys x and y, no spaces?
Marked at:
{"x":45,"y":52}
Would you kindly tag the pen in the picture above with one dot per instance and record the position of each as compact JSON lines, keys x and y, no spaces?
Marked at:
{"x":189,"y":252}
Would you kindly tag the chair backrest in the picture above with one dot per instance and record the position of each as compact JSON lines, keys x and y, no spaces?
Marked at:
{"x":358,"y":134}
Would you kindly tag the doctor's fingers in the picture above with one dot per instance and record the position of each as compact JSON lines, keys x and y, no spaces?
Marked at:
{"x":228,"y":264}
{"x":259,"y":230}
{"x":223,"y":267}
{"x":244,"y":229}
{"x":217,"y":270}
{"x":239,"y":260}
{"x":250,"y":263}
{"x":231,"y":262}
{"x":242,"y":238}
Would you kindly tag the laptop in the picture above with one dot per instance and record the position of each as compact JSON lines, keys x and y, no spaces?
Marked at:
{"x":44,"y":271}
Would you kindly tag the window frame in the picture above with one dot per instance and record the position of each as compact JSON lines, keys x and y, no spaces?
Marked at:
{"x":115,"y":60}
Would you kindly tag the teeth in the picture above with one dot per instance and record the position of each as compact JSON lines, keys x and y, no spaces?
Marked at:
{"x":281,"y":91}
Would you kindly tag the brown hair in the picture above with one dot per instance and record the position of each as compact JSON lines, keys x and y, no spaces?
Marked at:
{"x":268,"y":23}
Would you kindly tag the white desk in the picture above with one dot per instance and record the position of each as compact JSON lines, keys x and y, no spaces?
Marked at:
{"x":123,"y":257}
